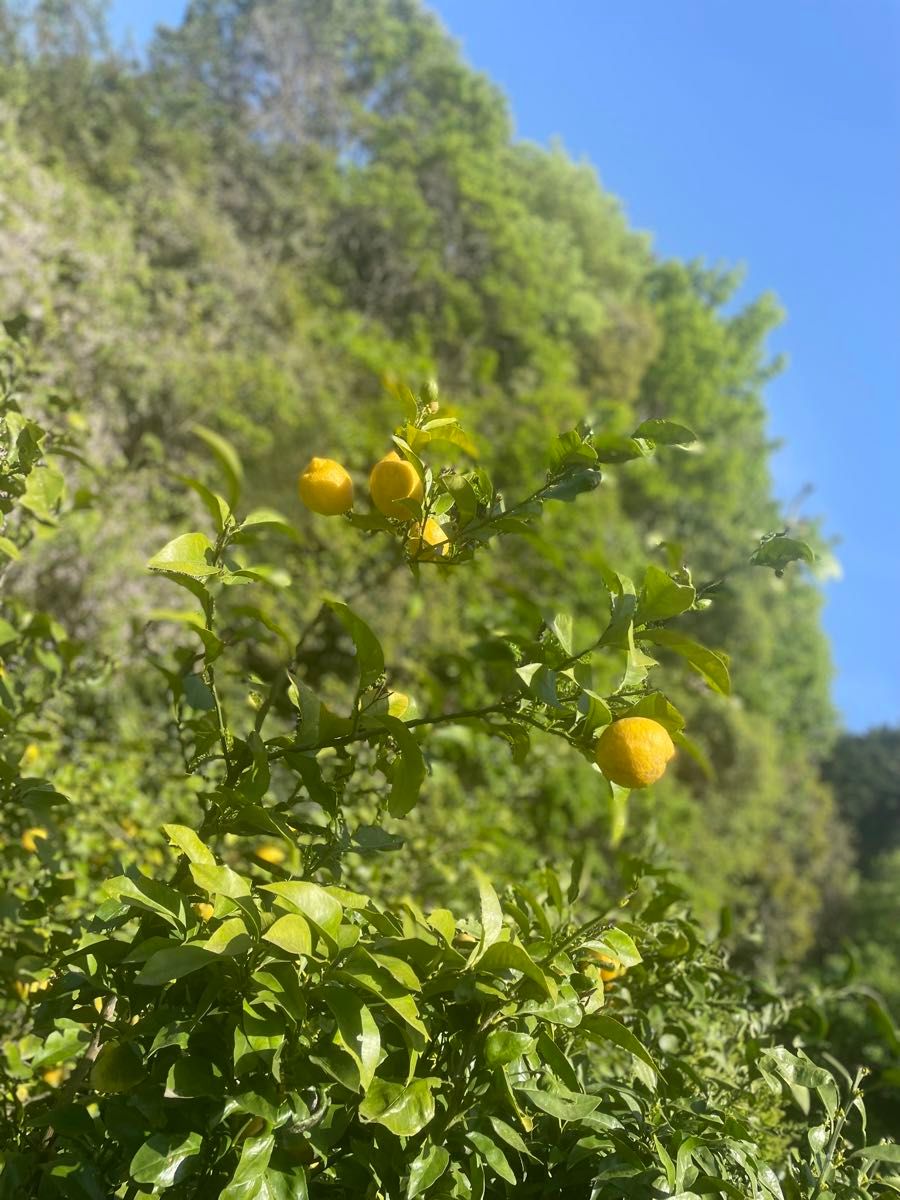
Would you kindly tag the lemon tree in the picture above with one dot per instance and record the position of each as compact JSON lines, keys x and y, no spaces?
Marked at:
{"x":253,"y":1020}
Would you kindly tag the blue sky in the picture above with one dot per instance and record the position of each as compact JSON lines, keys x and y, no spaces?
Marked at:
{"x":763,"y":133}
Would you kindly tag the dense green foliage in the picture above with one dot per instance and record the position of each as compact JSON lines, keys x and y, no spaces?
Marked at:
{"x":274,"y":213}
{"x":256,"y":1025}
{"x":288,"y":210}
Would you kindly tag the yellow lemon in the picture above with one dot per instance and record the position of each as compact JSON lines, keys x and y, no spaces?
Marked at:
{"x":203,"y":910}
{"x":634,"y":751}
{"x":30,"y":836}
{"x":31,"y":754}
{"x":398,"y":703}
{"x":270,"y":854}
{"x":429,"y":541}
{"x":325,"y":487}
{"x":54,"y":1076}
{"x":392,"y":481}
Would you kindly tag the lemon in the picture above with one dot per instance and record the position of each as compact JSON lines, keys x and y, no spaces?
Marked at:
{"x":607,"y":965}
{"x":203,"y":910}
{"x":392,"y":482}
{"x":325,"y":487}
{"x":30,"y":836}
{"x":54,"y":1076}
{"x":429,"y":541}
{"x":270,"y":854}
{"x":634,"y":751}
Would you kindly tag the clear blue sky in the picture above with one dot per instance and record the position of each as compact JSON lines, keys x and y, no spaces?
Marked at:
{"x":764,"y":133}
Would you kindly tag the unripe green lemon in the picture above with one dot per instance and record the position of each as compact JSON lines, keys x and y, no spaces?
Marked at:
{"x":392,"y":481}
{"x":634,"y":751}
{"x":325,"y":487}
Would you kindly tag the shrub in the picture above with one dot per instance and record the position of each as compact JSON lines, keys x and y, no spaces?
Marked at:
{"x":251,"y":1020}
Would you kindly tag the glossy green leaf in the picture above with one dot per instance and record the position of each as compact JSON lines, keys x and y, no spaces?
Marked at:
{"x":606,"y":1028}
{"x":491,"y":1153}
{"x":251,"y":1169}
{"x":408,"y":770}
{"x":173,"y":963}
{"x":662,"y":597}
{"x":291,"y":933}
{"x":404,"y":1110}
{"x":312,"y":902}
{"x":166,"y":1159}
{"x":369,"y":655}
{"x":189,"y":844}
{"x":218,"y":880}
{"x":502,"y":956}
{"x":504,"y":1046}
{"x":190,"y":554}
{"x":427,"y":1167}
{"x":358,"y":1031}
{"x":563,"y":1104}
{"x":709,"y":663}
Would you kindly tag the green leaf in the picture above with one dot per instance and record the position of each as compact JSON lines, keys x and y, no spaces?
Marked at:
{"x":230,"y":938}
{"x":166,"y":1159}
{"x":217,"y":508}
{"x":659,"y":708}
{"x":267,"y":519}
{"x":189,"y":844}
{"x":408,"y":770}
{"x":227,"y":458}
{"x":254,"y":1161}
{"x":886,"y":1152}
{"x":510,"y":1136}
{"x":564,"y":1105}
{"x":665,"y":433}
{"x":117,"y":1068}
{"x":190,"y":554}
{"x":369,"y":655}
{"x":311,"y":901}
{"x":10,"y":549}
{"x":794,"y":1069}
{"x":427,"y":1168}
{"x":173,"y":963}
{"x":220,"y":881}
{"x":358,"y":1031}
{"x":614,"y":448}
{"x":290,"y":933}
{"x":147,"y":894}
{"x":709,"y":663}
{"x":493,"y":1156}
{"x":403,"y":1109}
{"x":620,"y":945}
{"x":491,"y":913}
{"x":503,"y":1046}
{"x":608,"y":1029}
{"x":504,"y":955}
{"x":776,"y":552}
{"x":661,"y":597}
{"x":44,"y":489}
{"x":573,"y":484}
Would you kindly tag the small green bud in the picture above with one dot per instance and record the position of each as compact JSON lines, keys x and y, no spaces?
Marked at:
{"x":430,"y":393}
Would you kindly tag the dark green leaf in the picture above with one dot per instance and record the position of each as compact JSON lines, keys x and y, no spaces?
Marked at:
{"x":165,"y":1159}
